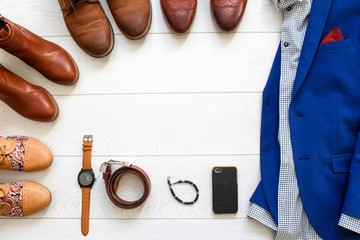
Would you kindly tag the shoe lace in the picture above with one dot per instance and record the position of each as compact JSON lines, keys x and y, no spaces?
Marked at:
{"x":73,"y":4}
{"x":2,"y":154}
{"x":4,"y":206}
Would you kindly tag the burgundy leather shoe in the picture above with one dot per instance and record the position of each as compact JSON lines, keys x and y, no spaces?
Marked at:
{"x":228,"y":13}
{"x":30,"y":101}
{"x":179,"y":14}
{"x":49,"y":59}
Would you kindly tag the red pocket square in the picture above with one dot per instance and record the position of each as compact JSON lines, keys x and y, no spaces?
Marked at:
{"x":334,"y":35}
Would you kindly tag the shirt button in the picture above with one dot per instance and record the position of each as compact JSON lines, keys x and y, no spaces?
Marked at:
{"x":288,"y":9}
{"x":286,"y":44}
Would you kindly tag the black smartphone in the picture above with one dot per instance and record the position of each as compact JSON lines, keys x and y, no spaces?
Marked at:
{"x":225,"y":190}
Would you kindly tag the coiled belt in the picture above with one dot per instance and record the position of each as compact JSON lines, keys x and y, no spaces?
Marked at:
{"x":112,"y":182}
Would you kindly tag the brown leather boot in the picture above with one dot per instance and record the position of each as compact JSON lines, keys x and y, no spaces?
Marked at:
{"x":20,"y":153}
{"x":51,"y":60}
{"x":179,"y":14}
{"x":28,"y":100}
{"x":88,"y":26}
{"x":133,"y":17}
{"x":18,"y":199}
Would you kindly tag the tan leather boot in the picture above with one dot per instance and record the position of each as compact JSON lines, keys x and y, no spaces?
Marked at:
{"x":88,"y":26}
{"x":20,"y":153}
{"x":30,"y":101}
{"x":133,"y":17}
{"x":51,"y":60}
{"x":19,"y":199}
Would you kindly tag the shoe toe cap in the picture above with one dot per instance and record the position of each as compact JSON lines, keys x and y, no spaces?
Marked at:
{"x":35,"y":198}
{"x":37,"y":156}
{"x":181,"y":21}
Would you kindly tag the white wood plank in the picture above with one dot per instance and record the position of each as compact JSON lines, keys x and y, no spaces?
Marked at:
{"x":45,"y":18}
{"x":150,"y":124}
{"x":166,"y":63}
{"x":136,"y":229}
{"x":61,"y":180}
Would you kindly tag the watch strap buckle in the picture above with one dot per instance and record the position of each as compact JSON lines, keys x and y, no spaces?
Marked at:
{"x":88,"y":138}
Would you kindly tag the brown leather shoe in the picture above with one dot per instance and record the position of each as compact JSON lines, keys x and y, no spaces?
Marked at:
{"x":133,"y":17}
{"x":18,"y":199}
{"x":179,"y":14}
{"x":88,"y":26}
{"x":20,"y":153}
{"x":228,"y":13}
{"x":51,"y":60}
{"x":30,"y":101}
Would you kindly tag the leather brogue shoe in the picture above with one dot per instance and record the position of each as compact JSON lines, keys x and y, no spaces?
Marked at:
{"x":18,"y":199}
{"x":30,"y":101}
{"x":51,"y":60}
{"x":133,"y":17}
{"x":20,"y":153}
{"x":88,"y":26}
{"x":228,"y":13}
{"x":179,"y":14}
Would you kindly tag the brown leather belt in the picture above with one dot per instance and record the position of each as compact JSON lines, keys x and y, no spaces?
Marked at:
{"x":112,"y":182}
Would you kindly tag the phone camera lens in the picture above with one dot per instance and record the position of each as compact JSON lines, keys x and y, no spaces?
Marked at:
{"x":217,"y":170}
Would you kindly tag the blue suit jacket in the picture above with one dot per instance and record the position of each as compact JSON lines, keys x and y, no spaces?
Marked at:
{"x":324,"y":122}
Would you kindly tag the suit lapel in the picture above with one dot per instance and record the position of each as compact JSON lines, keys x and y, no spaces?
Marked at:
{"x":318,"y":15}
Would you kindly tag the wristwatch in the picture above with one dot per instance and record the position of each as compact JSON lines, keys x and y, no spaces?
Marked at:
{"x":86,"y":179}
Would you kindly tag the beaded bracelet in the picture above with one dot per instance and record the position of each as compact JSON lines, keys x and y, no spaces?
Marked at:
{"x":183,"y":181}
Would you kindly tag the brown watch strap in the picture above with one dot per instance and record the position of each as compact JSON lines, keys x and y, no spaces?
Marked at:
{"x":112,"y":182}
{"x":87,"y":147}
{"x":85,"y":212}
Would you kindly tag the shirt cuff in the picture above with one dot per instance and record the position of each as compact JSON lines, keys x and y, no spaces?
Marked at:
{"x":260,"y":214}
{"x":350,"y":223}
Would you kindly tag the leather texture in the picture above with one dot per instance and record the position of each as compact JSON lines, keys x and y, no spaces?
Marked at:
{"x":88,"y":26}
{"x":179,"y":14}
{"x":51,"y":60}
{"x":85,"y":209}
{"x":324,"y":117}
{"x":228,"y":13}
{"x":30,"y":198}
{"x":36,"y":155}
{"x":133,"y":17}
{"x":28,"y":100}
{"x":87,"y":147}
{"x":112,"y":182}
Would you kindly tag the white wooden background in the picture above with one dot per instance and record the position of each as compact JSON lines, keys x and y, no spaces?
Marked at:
{"x":173,"y":105}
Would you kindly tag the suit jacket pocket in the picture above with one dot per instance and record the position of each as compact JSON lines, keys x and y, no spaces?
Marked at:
{"x":341,"y":163}
{"x":333,"y":46}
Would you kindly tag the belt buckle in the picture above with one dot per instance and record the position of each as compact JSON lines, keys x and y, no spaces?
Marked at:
{"x":88,"y":138}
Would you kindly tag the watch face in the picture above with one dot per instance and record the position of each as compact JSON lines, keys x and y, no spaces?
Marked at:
{"x":86,"y":178}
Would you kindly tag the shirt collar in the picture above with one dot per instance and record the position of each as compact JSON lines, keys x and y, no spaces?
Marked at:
{"x":281,"y":5}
